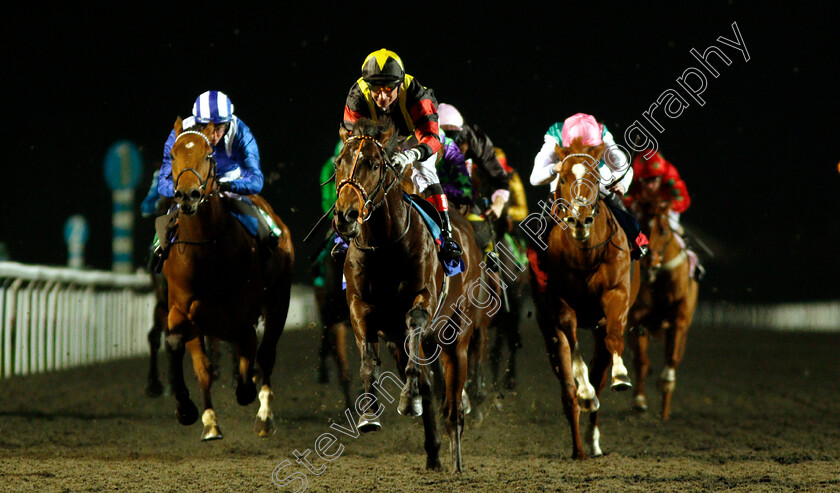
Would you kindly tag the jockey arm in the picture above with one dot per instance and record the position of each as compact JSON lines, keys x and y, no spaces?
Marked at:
{"x":678,"y":192}
{"x":616,"y":164}
{"x":246,"y":154}
{"x":483,"y":153}
{"x":543,"y":172}
{"x":164,"y":184}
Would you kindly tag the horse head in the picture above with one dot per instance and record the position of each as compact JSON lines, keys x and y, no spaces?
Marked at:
{"x":193,"y":167}
{"x":361,"y":170}
{"x":577,"y":191}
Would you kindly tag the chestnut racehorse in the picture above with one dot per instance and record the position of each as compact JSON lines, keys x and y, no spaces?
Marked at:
{"x":397,"y":287}
{"x":219,"y":285}
{"x":591,"y":282}
{"x":666,"y":302}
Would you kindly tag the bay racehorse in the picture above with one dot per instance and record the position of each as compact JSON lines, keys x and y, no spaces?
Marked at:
{"x":591,"y":282}
{"x":219,"y":285}
{"x":666,"y":302}
{"x":397,"y":288}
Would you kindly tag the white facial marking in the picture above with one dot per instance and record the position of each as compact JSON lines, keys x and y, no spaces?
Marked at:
{"x":189,"y":145}
{"x":578,"y":170}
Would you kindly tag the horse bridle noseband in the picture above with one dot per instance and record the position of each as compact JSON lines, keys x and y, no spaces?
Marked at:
{"x":366,"y":203}
{"x":203,"y":182}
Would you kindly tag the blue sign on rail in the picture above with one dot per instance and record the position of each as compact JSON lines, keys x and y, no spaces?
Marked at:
{"x":123,"y":166}
{"x":76,"y":229}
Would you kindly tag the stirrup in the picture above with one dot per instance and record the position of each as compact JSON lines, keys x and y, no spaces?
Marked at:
{"x":639,"y":252}
{"x":450,"y":249}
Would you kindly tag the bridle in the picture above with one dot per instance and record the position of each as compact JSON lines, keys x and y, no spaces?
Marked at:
{"x":366,"y":200}
{"x":581,"y":201}
{"x":203,"y":181}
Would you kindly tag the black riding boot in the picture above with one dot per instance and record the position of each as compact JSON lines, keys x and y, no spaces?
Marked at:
{"x":635,"y":237}
{"x":163,"y":228}
{"x":449,"y":250}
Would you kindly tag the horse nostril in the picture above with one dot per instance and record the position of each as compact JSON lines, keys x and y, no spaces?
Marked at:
{"x":351,"y":215}
{"x":178,"y":195}
{"x":588,"y":220}
{"x":195,"y":194}
{"x":569,"y":220}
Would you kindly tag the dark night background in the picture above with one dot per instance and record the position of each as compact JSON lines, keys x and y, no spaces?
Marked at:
{"x":760,"y":158}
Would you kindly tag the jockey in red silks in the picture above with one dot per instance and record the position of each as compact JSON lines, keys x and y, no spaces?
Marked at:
{"x":613,"y":167}
{"x":659,"y":175}
{"x":384,"y":89}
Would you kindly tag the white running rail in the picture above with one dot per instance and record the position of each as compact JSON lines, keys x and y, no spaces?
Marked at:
{"x":54,"y":318}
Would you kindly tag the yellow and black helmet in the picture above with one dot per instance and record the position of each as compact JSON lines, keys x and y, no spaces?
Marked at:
{"x":383,"y":67}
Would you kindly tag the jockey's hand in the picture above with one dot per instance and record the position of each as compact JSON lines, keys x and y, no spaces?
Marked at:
{"x":618,"y":189}
{"x":495,"y":210}
{"x":404,"y":158}
{"x":225,"y":186}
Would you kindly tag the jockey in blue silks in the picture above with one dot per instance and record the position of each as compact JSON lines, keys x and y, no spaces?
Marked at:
{"x":237,"y":167}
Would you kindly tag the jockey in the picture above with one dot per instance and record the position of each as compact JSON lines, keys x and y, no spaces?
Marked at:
{"x":479,"y":150}
{"x":453,"y":174}
{"x":237,"y":165}
{"x":615,"y":167}
{"x":384,"y":89}
{"x":659,"y":176}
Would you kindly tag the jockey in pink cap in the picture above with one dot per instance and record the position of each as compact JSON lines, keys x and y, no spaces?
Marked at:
{"x":613,"y":166}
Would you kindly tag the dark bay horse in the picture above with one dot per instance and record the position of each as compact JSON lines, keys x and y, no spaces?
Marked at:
{"x":666,"y":302}
{"x":397,"y":288}
{"x":219,"y":285}
{"x":591,"y":282}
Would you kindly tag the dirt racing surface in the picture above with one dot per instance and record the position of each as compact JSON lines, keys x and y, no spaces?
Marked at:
{"x":753,"y":411}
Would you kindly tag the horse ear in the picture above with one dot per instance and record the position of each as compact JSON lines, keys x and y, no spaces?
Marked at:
{"x":208,"y":130}
{"x":560,"y":151}
{"x":343,"y":132}
{"x":386,"y":135}
{"x":179,"y":126}
{"x":596,"y":151}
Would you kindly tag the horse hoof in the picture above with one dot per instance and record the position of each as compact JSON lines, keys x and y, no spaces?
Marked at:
{"x":186,"y":413}
{"x":265,"y":428}
{"x":433,"y":464}
{"x":666,"y":387}
{"x":211,"y":432}
{"x":246,"y":393}
{"x":621,"y":383}
{"x":154,"y":388}
{"x":410,"y":406}
{"x":589,"y":405}
{"x":367,"y":425}
{"x":640,"y":404}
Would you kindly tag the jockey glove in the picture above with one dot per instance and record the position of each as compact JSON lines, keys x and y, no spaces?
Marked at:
{"x":226,"y":186}
{"x":404,"y":158}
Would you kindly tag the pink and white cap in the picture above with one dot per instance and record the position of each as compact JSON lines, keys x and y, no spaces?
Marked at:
{"x":583,"y":126}
{"x":449,"y":115}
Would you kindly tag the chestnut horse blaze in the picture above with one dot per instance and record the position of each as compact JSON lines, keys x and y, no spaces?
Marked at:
{"x":591,"y":282}
{"x":667,"y":300}
{"x":219,"y":285}
{"x":397,"y":288}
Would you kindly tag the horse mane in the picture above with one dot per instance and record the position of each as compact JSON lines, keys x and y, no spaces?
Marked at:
{"x":370,"y":128}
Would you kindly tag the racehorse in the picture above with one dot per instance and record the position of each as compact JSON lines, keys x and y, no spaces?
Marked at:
{"x":667,"y":299}
{"x":397,"y":287}
{"x":219,"y":285}
{"x":591,"y":282}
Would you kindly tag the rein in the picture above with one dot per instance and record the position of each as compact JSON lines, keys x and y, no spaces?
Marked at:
{"x":366,"y":199}
{"x":203,"y":181}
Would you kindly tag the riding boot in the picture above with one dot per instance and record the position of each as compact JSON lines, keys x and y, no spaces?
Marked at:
{"x":449,"y":249}
{"x":164,"y":225}
{"x":637,"y":240}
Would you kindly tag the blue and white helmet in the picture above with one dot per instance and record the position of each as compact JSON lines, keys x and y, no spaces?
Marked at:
{"x":213,"y":106}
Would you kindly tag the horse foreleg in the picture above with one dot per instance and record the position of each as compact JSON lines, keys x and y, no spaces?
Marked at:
{"x":675,"y":339}
{"x":246,"y":388}
{"x":455,"y":366}
{"x":274,"y":317}
{"x":641,"y":365}
{"x":185,"y":412}
{"x":601,"y":361}
{"x":339,"y":349}
{"x":201,"y":367}
{"x":615,"y":305}
{"x":560,"y":358}
{"x":154,"y":388}
{"x":369,"y":372}
{"x":417,"y":320}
